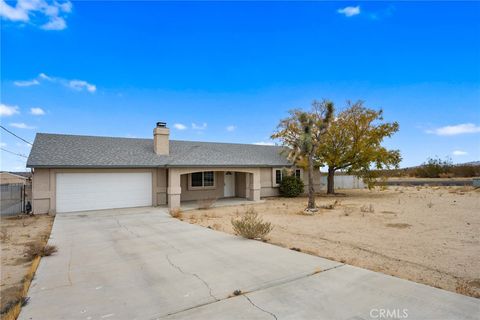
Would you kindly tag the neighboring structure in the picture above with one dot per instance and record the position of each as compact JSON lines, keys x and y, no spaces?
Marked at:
{"x":76,"y":173}
{"x":15,"y":192}
{"x":14,"y":177}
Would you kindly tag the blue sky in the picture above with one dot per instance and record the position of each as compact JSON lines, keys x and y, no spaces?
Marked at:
{"x":229,"y":71}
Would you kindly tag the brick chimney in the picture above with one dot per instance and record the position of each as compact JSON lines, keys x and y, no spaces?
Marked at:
{"x":161,"y":136}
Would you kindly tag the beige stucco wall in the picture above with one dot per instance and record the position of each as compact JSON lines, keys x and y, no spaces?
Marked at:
{"x":266,"y":181}
{"x":161,"y":190}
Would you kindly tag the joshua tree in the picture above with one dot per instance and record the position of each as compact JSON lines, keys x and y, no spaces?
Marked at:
{"x":302,"y":134}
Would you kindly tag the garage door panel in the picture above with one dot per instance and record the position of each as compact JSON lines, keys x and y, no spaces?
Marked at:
{"x":94,"y":191}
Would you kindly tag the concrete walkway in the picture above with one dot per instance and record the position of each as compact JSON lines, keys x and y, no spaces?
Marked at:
{"x":142,"y":264}
{"x":223,"y":202}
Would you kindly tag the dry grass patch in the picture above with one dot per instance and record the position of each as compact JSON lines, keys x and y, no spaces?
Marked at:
{"x":469,"y":288}
{"x":367,"y":209}
{"x":23,"y":242}
{"x":39,"y":249}
{"x":176,"y":213}
{"x":435,"y":246}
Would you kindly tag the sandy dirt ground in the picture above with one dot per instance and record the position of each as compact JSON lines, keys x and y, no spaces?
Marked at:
{"x":16,"y":234}
{"x":430,"y":235}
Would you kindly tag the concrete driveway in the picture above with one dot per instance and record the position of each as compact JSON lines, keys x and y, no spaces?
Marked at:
{"x":142,"y":264}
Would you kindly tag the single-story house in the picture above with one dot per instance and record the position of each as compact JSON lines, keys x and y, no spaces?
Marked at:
{"x":78,"y":173}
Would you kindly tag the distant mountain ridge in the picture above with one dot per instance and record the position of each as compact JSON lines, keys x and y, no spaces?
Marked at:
{"x":471,"y":163}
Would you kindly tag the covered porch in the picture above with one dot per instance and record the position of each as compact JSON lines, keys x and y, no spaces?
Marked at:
{"x":188,"y":187}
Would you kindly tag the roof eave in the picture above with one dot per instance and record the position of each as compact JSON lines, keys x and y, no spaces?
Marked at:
{"x":158,"y":166}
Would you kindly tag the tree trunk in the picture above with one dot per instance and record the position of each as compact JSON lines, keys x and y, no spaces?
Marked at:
{"x":311,"y":190}
{"x":331,"y":181}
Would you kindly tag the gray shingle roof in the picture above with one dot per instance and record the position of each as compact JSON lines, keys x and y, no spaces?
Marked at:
{"x":71,"y":151}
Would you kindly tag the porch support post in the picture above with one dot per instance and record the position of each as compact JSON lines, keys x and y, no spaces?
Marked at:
{"x":253,"y":185}
{"x":174,"y":190}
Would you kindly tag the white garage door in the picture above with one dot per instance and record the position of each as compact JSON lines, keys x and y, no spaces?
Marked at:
{"x":94,"y":191}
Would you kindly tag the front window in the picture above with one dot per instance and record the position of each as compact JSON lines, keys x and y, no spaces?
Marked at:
{"x":278,"y":176}
{"x":202,"y":179}
{"x":208,"y":179}
{"x":197,"y":179}
{"x":297,"y":173}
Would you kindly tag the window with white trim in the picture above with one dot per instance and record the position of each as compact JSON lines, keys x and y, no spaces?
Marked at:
{"x":203,"y":179}
{"x":278,"y":176}
{"x":298,"y":174}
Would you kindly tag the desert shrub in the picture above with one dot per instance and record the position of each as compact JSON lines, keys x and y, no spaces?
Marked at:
{"x":347,"y":211}
{"x":433,"y":168}
{"x":465,"y":171}
{"x":251,"y":226}
{"x":205,"y":203}
{"x":291,"y":186}
{"x":4,"y":236}
{"x":331,"y":205}
{"x":368,"y":208}
{"x":39,"y":249}
{"x":176,"y":213}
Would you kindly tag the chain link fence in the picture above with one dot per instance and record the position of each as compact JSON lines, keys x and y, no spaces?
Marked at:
{"x":14,"y":198}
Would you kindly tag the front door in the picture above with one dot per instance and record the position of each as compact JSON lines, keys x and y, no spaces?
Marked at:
{"x":229,"y":184}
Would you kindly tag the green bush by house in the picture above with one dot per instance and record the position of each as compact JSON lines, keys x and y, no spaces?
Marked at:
{"x":291,"y":186}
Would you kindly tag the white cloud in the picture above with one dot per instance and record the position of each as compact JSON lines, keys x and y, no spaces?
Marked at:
{"x":6,"y":110}
{"x":203,"y":126}
{"x":44,"y":76}
{"x":3,"y":144}
{"x":37,"y":111}
{"x":459,"y":153}
{"x":264,"y":143}
{"x":50,"y":15}
{"x":455,"y":129}
{"x":231,"y":128}
{"x":21,"y":125}
{"x":56,"y":23}
{"x":180,"y":126}
{"x":78,"y":85}
{"x":349,"y":11}
{"x":26,"y":83}
{"x":17,"y":13}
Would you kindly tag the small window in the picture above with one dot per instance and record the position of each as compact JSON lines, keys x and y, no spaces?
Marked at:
{"x":202,"y":179}
{"x":297,"y":174}
{"x":278,"y":176}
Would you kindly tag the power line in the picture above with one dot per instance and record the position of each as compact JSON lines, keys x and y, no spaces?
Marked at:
{"x":17,"y":154}
{"x":16,"y":135}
